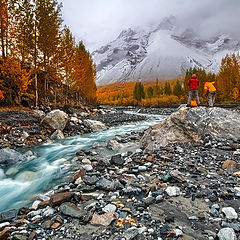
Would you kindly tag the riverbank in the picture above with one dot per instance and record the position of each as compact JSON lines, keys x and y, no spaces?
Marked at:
{"x":182,"y":191}
{"x":22,"y":128}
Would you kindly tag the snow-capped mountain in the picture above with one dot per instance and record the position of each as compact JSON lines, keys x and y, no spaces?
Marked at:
{"x":163,"y":51}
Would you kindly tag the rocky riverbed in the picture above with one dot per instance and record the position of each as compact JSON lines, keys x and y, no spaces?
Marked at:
{"x":183,"y":190}
{"x":20,"y":129}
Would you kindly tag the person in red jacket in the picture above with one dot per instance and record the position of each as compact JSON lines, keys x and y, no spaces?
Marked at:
{"x":193,"y":84}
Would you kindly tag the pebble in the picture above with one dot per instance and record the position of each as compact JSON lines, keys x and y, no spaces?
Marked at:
{"x":227,"y":234}
{"x":173,"y":191}
{"x":88,"y":167}
{"x":178,"y":232}
{"x":109,"y":208}
{"x":142,"y":168}
{"x":230,"y":213}
{"x":237,"y":191}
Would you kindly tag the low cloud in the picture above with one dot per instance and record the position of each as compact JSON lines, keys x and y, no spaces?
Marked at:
{"x":97,"y":22}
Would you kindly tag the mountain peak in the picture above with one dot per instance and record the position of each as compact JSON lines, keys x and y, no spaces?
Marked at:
{"x":168,"y":23}
{"x":127,"y":33}
{"x":152,"y":52}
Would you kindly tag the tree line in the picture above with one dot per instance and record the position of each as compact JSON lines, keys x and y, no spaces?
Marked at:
{"x":40,"y":60}
{"x":227,"y":83}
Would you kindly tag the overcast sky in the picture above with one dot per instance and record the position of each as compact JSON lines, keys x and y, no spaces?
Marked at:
{"x":97,"y":22}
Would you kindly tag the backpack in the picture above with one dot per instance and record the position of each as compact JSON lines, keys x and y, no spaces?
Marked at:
{"x":193,"y":103}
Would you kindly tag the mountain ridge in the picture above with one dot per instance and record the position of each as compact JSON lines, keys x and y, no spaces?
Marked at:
{"x":162,"y":51}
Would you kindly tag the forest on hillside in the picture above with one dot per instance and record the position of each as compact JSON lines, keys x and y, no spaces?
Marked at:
{"x":41,"y":63}
{"x":40,"y":60}
{"x":175,"y":91}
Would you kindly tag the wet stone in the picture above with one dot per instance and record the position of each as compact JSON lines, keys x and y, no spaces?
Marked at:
{"x":76,"y":175}
{"x":142,"y":168}
{"x":108,"y":194}
{"x":237,"y":191}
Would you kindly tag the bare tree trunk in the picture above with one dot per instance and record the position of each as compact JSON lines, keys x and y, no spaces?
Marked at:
{"x":45,"y":80}
{"x":2,"y":40}
{"x":35,"y":65}
{"x":36,"y":89}
{"x":55,"y":98}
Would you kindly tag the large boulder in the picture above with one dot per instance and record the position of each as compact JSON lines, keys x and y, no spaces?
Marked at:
{"x":9,"y":156}
{"x":56,"y":119}
{"x":94,"y":125}
{"x":192,"y":124}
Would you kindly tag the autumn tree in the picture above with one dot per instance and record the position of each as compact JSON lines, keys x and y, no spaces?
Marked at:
{"x":228,"y":78}
{"x":1,"y":95}
{"x":157,"y":91}
{"x":14,"y":80}
{"x":48,"y":19}
{"x":25,"y":31}
{"x":84,"y":74}
{"x":67,"y":48}
{"x":32,"y":40}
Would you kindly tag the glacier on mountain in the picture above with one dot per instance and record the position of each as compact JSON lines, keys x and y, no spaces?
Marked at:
{"x":163,"y":51}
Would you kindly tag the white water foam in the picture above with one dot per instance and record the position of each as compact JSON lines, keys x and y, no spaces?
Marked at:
{"x":40,"y":174}
{"x":2,"y":175}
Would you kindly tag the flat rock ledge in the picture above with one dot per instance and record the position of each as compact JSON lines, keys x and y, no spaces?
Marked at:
{"x":193,"y":124}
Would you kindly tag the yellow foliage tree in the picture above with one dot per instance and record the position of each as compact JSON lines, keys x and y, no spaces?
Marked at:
{"x":1,"y":95}
{"x":84,"y":74}
{"x":13,"y":79}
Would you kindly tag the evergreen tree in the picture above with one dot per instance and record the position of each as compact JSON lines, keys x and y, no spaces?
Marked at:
{"x":167,"y":89}
{"x":157,"y":89}
{"x":149,"y":92}
{"x":138,"y":92}
{"x":177,"y":90}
